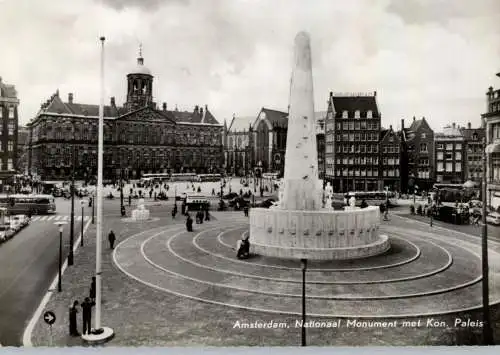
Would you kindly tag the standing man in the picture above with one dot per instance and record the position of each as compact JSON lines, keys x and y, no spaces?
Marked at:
{"x":111,"y":238}
{"x":73,"y":329}
{"x":87,"y":315}
{"x":92,"y":289}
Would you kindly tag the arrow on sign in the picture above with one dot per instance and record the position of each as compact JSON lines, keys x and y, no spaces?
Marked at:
{"x":49,"y":317}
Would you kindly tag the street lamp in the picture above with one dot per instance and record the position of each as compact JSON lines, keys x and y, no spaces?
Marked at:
{"x":61,"y":227}
{"x":121,"y":190}
{"x":303,"y":263}
{"x":93,"y":204}
{"x":82,"y":203}
{"x":487,"y":331}
{"x":72,"y":217}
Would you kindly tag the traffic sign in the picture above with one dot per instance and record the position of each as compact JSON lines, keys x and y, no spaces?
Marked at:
{"x":49,"y":317}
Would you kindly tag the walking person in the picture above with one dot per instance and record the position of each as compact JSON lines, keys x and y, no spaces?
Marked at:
{"x":189,"y":223}
{"x":73,"y":328}
{"x":111,"y":238}
{"x":92,"y":289}
{"x":87,"y":315}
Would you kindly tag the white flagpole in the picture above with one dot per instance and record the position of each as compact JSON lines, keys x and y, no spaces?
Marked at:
{"x":100,"y":152}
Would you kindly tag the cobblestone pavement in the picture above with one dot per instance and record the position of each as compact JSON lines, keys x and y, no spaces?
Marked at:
{"x":142,"y":315}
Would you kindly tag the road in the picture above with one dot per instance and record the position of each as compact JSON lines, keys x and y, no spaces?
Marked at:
{"x":28,"y":264}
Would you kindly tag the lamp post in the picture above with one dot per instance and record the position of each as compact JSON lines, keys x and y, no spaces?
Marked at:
{"x":121,"y":189}
{"x":60,"y":224}
{"x":72,"y":217}
{"x":82,"y":203}
{"x":93,"y":204}
{"x":304,"y":268}
{"x":487,"y":331}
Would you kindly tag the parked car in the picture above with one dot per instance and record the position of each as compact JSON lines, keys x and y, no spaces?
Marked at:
{"x":493,"y":218}
{"x":19,"y":221}
{"x":230,"y":196}
{"x":266,"y":203}
{"x":239,"y":202}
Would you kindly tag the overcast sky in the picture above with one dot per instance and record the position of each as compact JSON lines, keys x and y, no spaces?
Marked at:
{"x":432,"y":58}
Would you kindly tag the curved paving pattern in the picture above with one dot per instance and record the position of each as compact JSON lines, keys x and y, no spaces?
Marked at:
{"x":423,"y":274}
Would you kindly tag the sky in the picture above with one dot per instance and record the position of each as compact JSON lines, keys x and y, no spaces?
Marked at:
{"x":425,"y":58}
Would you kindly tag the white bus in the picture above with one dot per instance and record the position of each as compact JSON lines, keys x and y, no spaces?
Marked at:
{"x":209,"y":177}
{"x":183,"y":177}
{"x":373,"y":198}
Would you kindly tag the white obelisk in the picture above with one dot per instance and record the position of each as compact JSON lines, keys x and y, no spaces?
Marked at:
{"x":301,"y":160}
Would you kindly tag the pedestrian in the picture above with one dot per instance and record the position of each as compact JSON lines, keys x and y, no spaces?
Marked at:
{"x":189,"y":223}
{"x":174,"y":212}
{"x":151,"y":193}
{"x":364,"y":204}
{"x":213,"y":192}
{"x":87,"y":315}
{"x":243,"y":248}
{"x":73,"y":328}
{"x":92,"y":289}
{"x":90,"y":201}
{"x":111,"y":238}
{"x":129,"y":200}
{"x":207,"y":214}
{"x":245,"y":211}
{"x":199,"y":189}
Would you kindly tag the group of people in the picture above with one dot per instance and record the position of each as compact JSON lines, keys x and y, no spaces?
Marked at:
{"x":86,"y":306}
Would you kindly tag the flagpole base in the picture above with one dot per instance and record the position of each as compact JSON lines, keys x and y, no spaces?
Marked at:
{"x":99,"y":336}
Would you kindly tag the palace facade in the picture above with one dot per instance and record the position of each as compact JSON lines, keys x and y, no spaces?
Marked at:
{"x":138,"y":137}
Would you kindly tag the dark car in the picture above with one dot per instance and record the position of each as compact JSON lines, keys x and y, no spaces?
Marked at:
{"x":230,"y":196}
{"x":266,"y":203}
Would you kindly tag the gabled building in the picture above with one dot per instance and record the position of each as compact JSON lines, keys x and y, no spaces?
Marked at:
{"x":390,"y":159}
{"x":474,"y":147}
{"x":9,"y":121}
{"x":417,"y":160}
{"x":450,"y":155}
{"x":138,"y":137}
{"x":491,"y":118}
{"x":238,"y":149}
{"x":352,"y":143}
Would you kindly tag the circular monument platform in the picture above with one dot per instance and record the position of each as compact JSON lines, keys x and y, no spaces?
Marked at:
{"x":317,"y":235}
{"x":423,"y":273}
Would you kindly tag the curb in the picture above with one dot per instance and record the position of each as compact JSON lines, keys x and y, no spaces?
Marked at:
{"x":45,"y":300}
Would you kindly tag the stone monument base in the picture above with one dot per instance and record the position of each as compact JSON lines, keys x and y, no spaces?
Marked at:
{"x":317,"y":235}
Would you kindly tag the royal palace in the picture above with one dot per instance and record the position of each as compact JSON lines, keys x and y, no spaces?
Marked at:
{"x":139,"y":137}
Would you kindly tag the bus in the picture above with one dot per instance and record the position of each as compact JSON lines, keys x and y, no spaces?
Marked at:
{"x":159,"y":177}
{"x":28,"y":204}
{"x":373,"y":198}
{"x":209,"y":177}
{"x":270,"y":176}
{"x":452,"y":193}
{"x":183,"y":177}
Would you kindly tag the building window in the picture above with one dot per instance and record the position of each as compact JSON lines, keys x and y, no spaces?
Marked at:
{"x":458,"y":146}
{"x":449,"y":146}
{"x":11,"y":112}
{"x":344,"y":114}
{"x":11,"y":128}
{"x":10,"y":166}
{"x":363,"y":124}
{"x":458,"y":167}
{"x":356,"y":125}
{"x":439,"y":146}
{"x":356,"y":114}
{"x":440,"y":155}
{"x":1,"y":111}
{"x":458,"y":156}
{"x":423,"y":148}
{"x":495,"y":167}
{"x":449,"y":167}
{"x":345,"y":126}
{"x":423,"y":136}
{"x":10,"y":146}
{"x":369,"y":114}
{"x":338,"y":125}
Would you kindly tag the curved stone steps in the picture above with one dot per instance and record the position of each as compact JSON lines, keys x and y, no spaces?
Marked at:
{"x":158,"y":254}
{"x":133,"y":264}
{"x":223,"y":259}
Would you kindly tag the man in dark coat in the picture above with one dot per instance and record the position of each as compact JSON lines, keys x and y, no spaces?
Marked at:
{"x":87,"y":315}
{"x":111,"y":238}
{"x":92,"y":289}
{"x":73,"y":329}
{"x":189,"y":223}
{"x":244,"y":249}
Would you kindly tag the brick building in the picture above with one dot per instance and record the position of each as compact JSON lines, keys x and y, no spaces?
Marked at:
{"x":352,"y":143}
{"x":138,"y":137}
{"x":238,"y":146}
{"x":9,"y":103}
{"x":390,"y":159}
{"x":474,"y":147}
{"x":450,"y":155}
{"x":417,"y":158}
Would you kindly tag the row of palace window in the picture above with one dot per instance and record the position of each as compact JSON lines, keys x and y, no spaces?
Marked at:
{"x":390,"y":149}
{"x":423,"y":173}
{"x":10,"y":114}
{"x":448,"y":156}
{"x":353,"y":137}
{"x":354,"y":148}
{"x":449,"y":146}
{"x":353,"y":161}
{"x":448,"y":167}
{"x":357,"y":172}
{"x":10,"y":146}
{"x":11,"y":126}
{"x":357,"y":114}
{"x":353,"y":126}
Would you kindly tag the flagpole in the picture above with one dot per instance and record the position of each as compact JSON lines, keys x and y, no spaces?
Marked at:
{"x":99,"y":197}
{"x":99,"y":334}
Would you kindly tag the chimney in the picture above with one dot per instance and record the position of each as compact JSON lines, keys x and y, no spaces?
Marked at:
{"x":113,"y":103}
{"x":413,"y":118}
{"x":454,"y":125}
{"x":70,"y":98}
{"x":402,"y":124}
{"x":468,"y":125}
{"x":390,"y":127}
{"x":164,"y":106}
{"x":201,"y":110}
{"x":331,"y":93}
{"x":375,"y":93}
{"x":196,"y":109}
